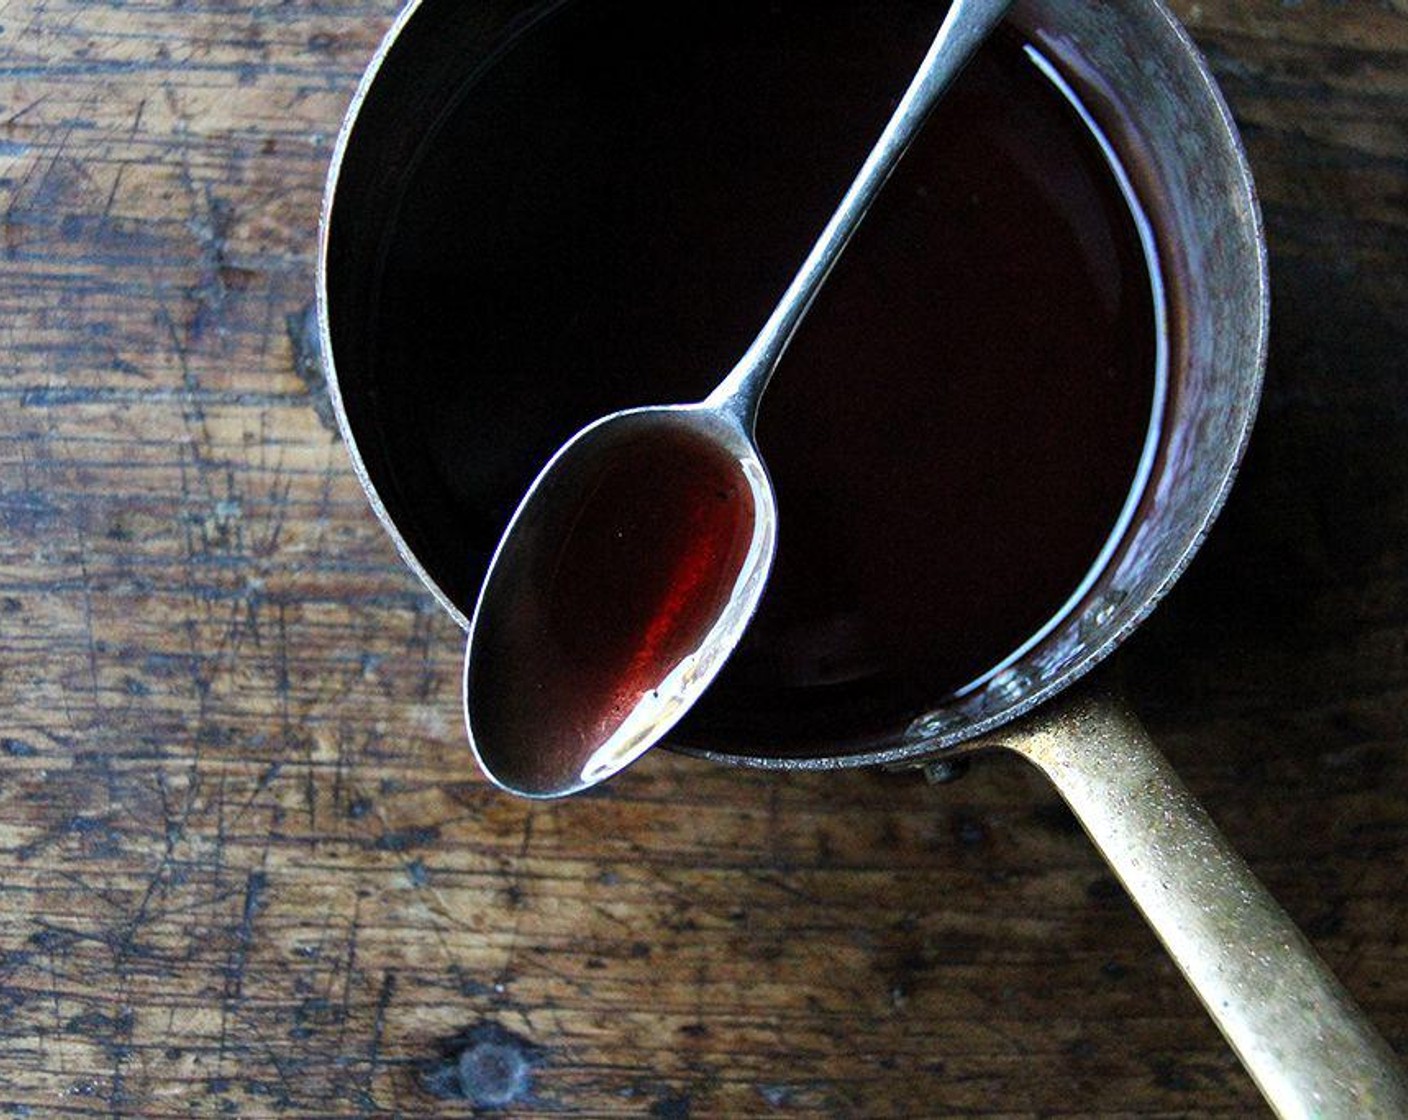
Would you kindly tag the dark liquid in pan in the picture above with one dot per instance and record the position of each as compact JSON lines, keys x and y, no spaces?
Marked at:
{"x":609,"y":216}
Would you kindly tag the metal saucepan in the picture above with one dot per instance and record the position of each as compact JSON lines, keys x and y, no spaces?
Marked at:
{"x":1309,"y":1049}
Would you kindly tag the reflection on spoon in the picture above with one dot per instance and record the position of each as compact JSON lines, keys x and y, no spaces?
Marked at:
{"x":635,"y":561}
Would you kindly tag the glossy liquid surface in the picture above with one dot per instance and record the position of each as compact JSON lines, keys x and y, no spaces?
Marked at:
{"x":614,"y":575}
{"x":609,"y":216}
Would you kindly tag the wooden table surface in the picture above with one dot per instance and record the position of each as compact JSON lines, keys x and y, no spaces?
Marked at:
{"x":245,"y":866}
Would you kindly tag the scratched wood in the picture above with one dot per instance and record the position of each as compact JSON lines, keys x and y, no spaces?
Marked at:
{"x":244,"y":865}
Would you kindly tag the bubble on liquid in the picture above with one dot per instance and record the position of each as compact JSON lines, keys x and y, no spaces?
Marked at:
{"x":939,"y":725}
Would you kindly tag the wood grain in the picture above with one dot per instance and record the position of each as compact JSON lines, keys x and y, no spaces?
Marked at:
{"x":245,"y":867}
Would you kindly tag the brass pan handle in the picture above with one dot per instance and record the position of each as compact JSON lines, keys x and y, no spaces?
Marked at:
{"x":1308,"y":1047}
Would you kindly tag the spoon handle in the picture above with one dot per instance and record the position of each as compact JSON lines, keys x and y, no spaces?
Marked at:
{"x":967,"y":24}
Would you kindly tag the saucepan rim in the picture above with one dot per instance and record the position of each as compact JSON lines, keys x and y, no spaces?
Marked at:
{"x":919,"y":749}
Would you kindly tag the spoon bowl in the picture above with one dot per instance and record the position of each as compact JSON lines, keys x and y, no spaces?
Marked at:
{"x":625,"y":579}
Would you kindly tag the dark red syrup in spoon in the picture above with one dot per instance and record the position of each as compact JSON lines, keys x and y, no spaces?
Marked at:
{"x":611,"y":579}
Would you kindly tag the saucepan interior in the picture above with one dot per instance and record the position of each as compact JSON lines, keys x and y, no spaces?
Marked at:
{"x":407,"y":406}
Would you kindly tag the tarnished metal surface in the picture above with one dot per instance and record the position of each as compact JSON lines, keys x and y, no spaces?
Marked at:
{"x":1300,"y":1035}
{"x":1150,"y":91}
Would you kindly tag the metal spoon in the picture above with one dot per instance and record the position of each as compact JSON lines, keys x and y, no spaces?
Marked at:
{"x":567,"y":680}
